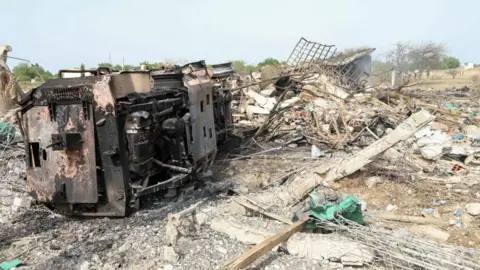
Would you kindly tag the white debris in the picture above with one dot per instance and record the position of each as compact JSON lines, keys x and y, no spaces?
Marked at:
{"x":266,"y":103}
{"x":267,"y":92}
{"x":432,"y":233}
{"x":434,"y":144}
{"x":289,"y":102}
{"x":238,"y":232}
{"x":332,"y":247}
{"x":170,"y":255}
{"x":391,"y":207}
{"x":473,"y":209}
{"x":372,"y":181}
{"x":432,"y":152}
{"x":85,"y":265}
{"x":168,"y":267}
{"x":324,"y":103}
{"x":472,"y":131}
{"x":316,"y":152}
{"x":221,"y":249}
{"x":21,"y":202}
{"x":251,"y":110}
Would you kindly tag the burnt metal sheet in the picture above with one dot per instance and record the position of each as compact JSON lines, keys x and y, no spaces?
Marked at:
{"x":222,"y":70}
{"x":128,"y":82}
{"x":200,"y":91}
{"x":168,"y":81}
{"x":61,"y":176}
{"x":193,"y":67}
{"x":307,"y":52}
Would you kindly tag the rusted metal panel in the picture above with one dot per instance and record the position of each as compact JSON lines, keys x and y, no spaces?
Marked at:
{"x":201,"y":110}
{"x":103,"y":96}
{"x":67,"y":175}
{"x":222,"y":70}
{"x":132,"y":81}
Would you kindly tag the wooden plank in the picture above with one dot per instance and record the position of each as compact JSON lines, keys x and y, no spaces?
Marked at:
{"x":251,"y":255}
{"x":262,"y":211}
{"x":333,"y":170}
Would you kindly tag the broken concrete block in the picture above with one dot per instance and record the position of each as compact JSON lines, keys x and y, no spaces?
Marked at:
{"x":324,"y":103}
{"x":473,"y":209}
{"x":472,"y":131}
{"x":391,"y":207}
{"x":372,"y":181}
{"x":267,"y":73}
{"x":199,"y":218}
{"x":21,"y":202}
{"x":238,"y":232}
{"x":430,"y":232}
{"x":169,"y":254}
{"x":268,"y":92}
{"x":251,"y":110}
{"x":264,"y":102}
{"x":432,"y":152}
{"x":168,"y":267}
{"x":332,"y":247}
{"x":333,"y":89}
{"x":289,"y":102}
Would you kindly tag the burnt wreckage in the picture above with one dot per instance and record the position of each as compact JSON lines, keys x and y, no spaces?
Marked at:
{"x":96,"y":145}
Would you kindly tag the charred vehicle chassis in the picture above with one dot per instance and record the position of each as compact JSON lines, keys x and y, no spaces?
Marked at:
{"x":96,"y":145}
{"x":223,"y":76}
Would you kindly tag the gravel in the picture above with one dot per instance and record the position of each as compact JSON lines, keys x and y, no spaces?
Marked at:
{"x":43,"y":239}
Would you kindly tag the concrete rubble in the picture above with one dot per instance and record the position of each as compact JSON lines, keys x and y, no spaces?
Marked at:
{"x":330,"y":247}
{"x":414,"y":166}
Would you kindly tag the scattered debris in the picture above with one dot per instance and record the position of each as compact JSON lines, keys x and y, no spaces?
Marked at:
{"x":21,"y":203}
{"x":249,"y":236}
{"x":473,"y":209}
{"x":171,"y":232}
{"x":332,"y":247}
{"x":305,"y":134}
{"x":258,"y":209}
{"x":245,"y":259}
{"x":170,"y":255}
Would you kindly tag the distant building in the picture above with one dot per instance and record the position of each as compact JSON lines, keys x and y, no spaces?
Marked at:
{"x":469,"y":66}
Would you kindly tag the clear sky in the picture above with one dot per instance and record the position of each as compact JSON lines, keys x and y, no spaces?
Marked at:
{"x":62,"y":34}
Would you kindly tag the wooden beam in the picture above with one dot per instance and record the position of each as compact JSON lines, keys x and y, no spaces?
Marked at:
{"x":251,"y":255}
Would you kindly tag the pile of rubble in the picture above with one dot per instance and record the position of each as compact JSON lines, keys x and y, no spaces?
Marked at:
{"x":382,"y":133}
{"x":374,"y":177}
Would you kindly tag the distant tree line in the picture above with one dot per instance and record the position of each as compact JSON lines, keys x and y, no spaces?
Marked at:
{"x":28,"y":72}
{"x":419,"y":58}
{"x":240,"y":66}
{"x":403,"y":57}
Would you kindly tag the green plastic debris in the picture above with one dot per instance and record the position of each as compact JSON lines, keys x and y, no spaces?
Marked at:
{"x":323,"y":208}
{"x":451,"y":107}
{"x":10,"y":264}
{"x":7,"y":132}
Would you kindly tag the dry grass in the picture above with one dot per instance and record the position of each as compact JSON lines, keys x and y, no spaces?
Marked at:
{"x":442,"y":79}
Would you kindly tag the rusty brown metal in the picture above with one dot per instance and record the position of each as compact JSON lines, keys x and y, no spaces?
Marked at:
{"x":64,"y":175}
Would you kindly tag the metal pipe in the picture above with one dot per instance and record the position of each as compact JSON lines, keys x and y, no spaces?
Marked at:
{"x":172,"y":167}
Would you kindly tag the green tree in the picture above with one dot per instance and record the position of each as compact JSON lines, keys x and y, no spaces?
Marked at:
{"x":381,"y":66}
{"x":118,"y":67}
{"x":381,"y":71}
{"x":242,"y":68}
{"x":27,"y":72}
{"x":152,"y":65}
{"x":105,"y":65}
{"x":452,"y":72}
{"x":450,"y":62}
{"x":268,"y":62}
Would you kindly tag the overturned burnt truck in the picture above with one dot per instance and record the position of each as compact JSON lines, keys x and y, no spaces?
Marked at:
{"x":97,"y":145}
{"x":223,"y":77}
